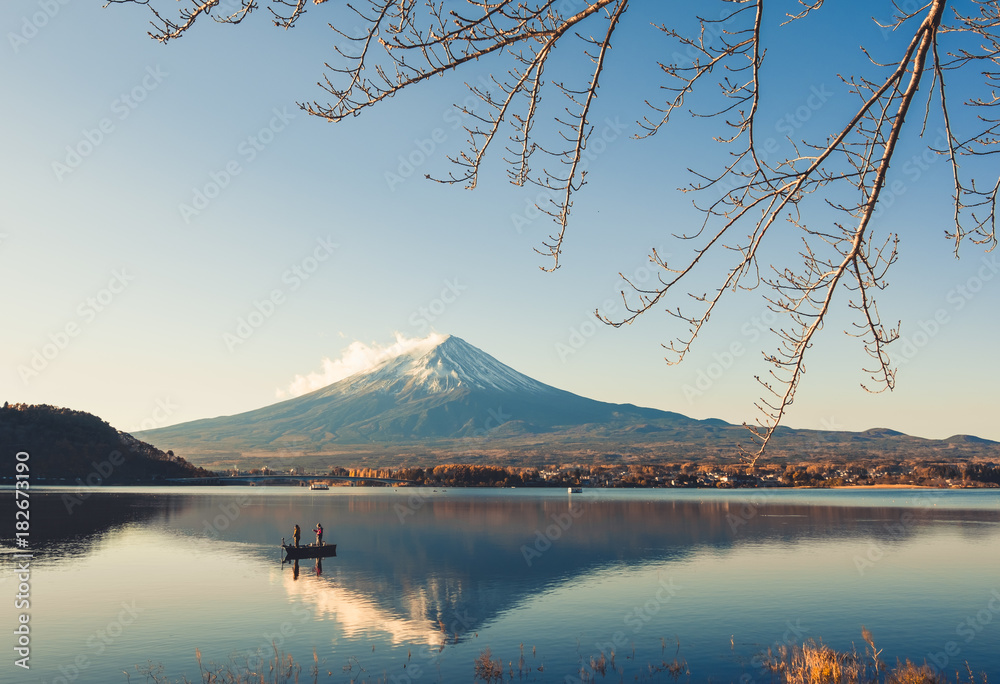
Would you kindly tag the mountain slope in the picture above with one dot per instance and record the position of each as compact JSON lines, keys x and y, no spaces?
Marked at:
{"x":447,"y":400}
{"x":448,"y":390}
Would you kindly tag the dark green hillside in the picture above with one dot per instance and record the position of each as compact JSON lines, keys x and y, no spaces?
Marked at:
{"x":67,"y":444}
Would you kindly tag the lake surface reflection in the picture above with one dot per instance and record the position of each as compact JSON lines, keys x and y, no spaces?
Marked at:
{"x":424,"y":580}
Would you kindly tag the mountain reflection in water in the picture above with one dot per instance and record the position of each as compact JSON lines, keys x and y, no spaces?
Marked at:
{"x":431,"y":569}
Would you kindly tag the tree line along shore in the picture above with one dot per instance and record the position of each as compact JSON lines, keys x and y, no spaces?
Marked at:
{"x":883,"y":474}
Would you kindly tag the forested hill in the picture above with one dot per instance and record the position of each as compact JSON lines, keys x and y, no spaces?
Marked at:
{"x":67,"y":444}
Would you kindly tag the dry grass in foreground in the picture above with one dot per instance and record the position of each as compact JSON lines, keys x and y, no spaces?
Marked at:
{"x":816,"y":663}
{"x":281,"y":668}
{"x":809,"y":663}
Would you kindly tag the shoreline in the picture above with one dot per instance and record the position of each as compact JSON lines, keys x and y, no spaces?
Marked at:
{"x":889,"y":486}
{"x":67,"y":486}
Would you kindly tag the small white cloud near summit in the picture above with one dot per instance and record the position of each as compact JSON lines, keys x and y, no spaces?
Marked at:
{"x":357,"y":358}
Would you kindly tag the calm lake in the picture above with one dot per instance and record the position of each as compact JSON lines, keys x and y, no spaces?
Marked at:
{"x":424,"y":580}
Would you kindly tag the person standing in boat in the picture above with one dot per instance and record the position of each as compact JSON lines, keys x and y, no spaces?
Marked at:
{"x":296,"y":535}
{"x":319,"y":534}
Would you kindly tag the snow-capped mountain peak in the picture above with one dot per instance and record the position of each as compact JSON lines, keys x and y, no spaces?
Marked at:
{"x":437,"y":388}
{"x":443,"y":363}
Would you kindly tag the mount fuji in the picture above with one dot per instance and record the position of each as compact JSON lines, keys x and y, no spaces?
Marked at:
{"x":445,"y":397}
{"x":441,"y":389}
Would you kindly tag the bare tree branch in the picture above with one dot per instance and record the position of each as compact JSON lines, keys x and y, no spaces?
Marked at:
{"x":759,"y":199}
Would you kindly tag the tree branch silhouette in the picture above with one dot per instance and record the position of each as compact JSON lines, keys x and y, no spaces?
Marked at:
{"x":402,"y":43}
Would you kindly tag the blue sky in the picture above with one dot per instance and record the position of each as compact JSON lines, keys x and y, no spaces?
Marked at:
{"x":108,"y":136}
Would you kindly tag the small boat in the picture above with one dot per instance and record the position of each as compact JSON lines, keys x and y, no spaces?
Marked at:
{"x":576,"y":490}
{"x":319,"y":486}
{"x":293,"y":552}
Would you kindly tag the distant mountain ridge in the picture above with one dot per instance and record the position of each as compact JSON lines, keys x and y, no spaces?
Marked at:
{"x":448,"y":397}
